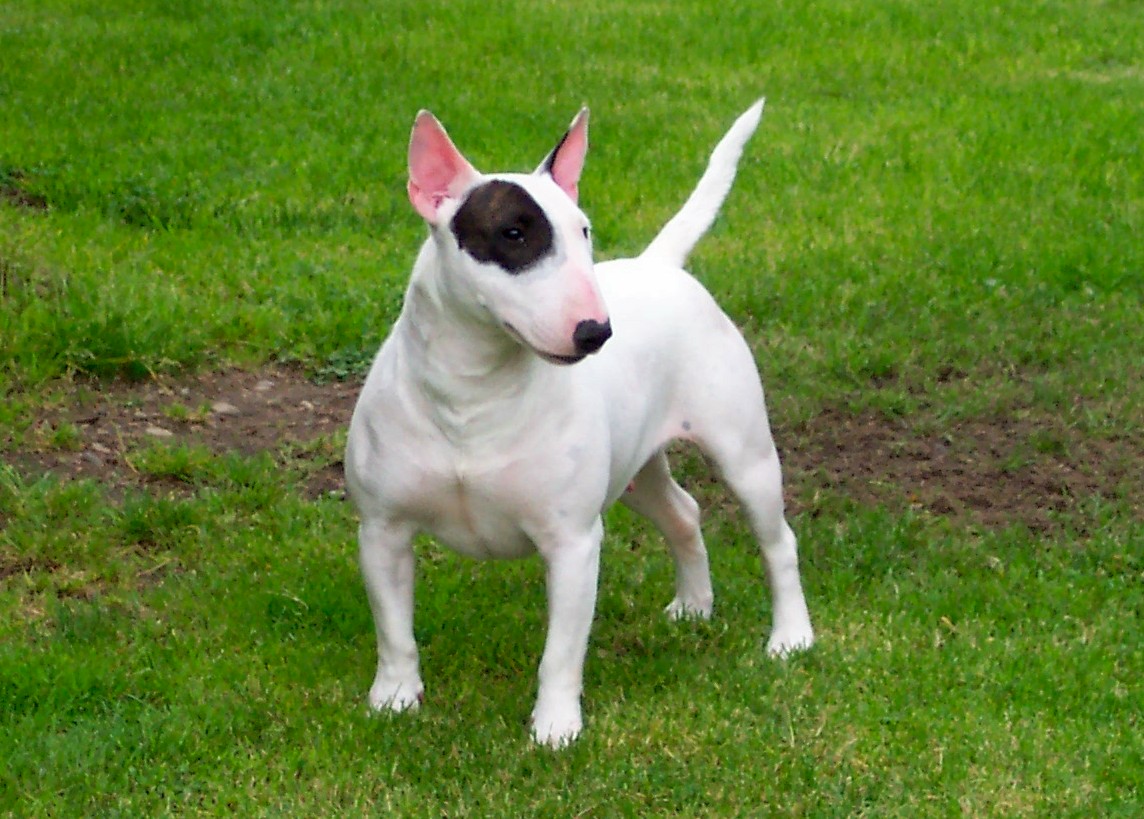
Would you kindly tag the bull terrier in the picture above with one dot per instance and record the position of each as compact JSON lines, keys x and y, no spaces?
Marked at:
{"x":524,"y":389}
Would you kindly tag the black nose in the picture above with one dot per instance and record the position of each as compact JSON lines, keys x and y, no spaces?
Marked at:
{"x":590,"y":336}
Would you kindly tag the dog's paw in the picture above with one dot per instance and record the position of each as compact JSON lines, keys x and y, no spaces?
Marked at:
{"x":556,"y":727}
{"x":679,"y":609}
{"x":788,"y":641}
{"x":396,"y":696}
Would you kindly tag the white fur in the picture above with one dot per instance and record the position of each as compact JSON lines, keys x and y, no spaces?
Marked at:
{"x":464,"y":431}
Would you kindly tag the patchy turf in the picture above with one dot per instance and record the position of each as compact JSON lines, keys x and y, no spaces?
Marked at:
{"x":279,"y":411}
{"x":1024,"y":468}
{"x":1020,"y":468}
{"x":14,"y":191}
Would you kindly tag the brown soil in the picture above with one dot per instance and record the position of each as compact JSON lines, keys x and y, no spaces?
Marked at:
{"x":12,"y":192}
{"x":988,"y":472}
{"x":992,"y":472}
{"x":232,"y":411}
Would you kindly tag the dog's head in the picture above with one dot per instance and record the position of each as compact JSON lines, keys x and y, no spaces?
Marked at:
{"x":518,"y":243}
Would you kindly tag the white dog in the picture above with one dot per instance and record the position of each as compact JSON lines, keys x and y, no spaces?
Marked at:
{"x":487,"y":421}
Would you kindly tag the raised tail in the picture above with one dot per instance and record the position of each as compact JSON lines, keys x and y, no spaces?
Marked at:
{"x":675,"y":241}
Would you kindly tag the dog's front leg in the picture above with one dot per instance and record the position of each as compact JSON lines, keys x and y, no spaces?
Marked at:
{"x":573,"y":564}
{"x":386,"y":555}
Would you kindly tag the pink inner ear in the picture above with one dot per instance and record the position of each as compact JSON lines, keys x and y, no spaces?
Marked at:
{"x":437,"y":170}
{"x":568,"y":161}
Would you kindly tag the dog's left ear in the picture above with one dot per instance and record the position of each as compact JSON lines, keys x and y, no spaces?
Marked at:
{"x":566,"y":161}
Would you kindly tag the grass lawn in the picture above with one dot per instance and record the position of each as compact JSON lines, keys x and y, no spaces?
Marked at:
{"x":933,"y":246}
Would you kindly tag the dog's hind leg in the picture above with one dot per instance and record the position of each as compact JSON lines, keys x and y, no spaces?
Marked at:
{"x":738,"y":439}
{"x":655,"y":495}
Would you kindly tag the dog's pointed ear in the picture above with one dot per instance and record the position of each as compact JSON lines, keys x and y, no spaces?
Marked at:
{"x":566,"y":161}
{"x":437,"y":171}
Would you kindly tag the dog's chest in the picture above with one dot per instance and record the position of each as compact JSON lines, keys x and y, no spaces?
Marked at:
{"x":477,"y":512}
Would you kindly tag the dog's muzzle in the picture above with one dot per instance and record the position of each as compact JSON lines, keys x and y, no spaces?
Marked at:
{"x":589,"y":336}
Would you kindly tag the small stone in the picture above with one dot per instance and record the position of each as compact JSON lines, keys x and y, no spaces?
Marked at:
{"x":264,"y":385}
{"x":307,"y":405}
{"x":158,"y":432}
{"x":96,"y":446}
{"x":225,"y":408}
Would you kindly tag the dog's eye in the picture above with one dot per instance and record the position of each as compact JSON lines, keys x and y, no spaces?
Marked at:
{"x":586,"y":231}
{"x":512,"y":234}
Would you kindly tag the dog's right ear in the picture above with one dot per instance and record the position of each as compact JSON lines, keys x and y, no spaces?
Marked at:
{"x":437,"y":171}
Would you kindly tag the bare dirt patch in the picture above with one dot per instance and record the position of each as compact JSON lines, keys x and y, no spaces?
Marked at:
{"x":13,"y":191}
{"x":991,"y":472}
{"x":231,"y":411}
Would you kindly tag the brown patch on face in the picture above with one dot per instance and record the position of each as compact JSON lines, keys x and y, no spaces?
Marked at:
{"x":502,"y":224}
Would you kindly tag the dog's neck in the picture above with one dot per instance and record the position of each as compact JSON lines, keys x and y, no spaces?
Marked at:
{"x":477,"y":381}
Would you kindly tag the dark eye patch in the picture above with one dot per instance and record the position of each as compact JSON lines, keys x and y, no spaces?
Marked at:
{"x":500,"y":223}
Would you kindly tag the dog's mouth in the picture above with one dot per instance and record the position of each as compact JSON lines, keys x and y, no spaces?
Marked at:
{"x":560,"y":359}
{"x":551,"y":358}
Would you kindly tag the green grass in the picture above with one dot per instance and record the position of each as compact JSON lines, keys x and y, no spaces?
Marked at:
{"x":940,"y":213}
{"x":222,"y":661}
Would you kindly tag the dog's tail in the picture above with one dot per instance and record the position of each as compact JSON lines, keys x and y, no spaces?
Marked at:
{"x":687,"y":227}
